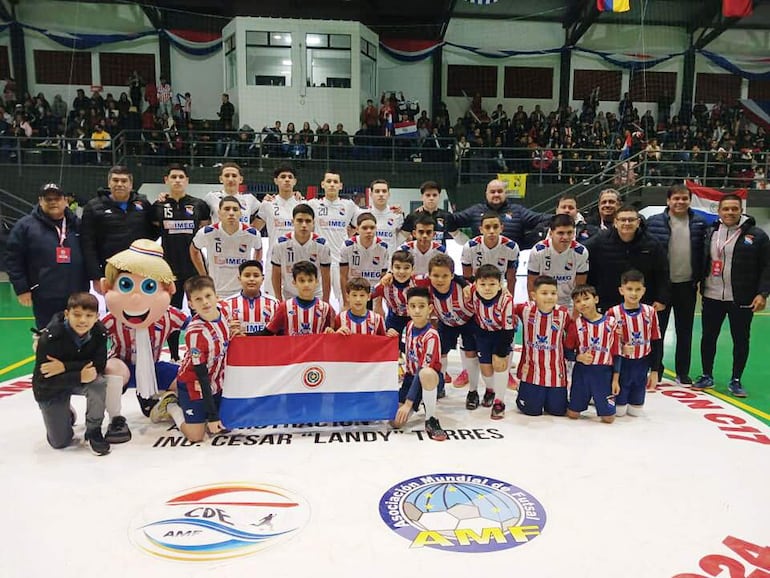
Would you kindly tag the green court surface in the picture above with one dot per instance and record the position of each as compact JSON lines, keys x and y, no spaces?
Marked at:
{"x":16,"y":354}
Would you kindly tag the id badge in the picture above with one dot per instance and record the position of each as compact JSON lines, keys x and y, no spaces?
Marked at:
{"x":63,"y":254}
{"x":716,"y":268}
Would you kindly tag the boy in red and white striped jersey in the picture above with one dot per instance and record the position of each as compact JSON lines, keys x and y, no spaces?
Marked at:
{"x":497,"y":325}
{"x":358,"y":320}
{"x":195,"y":406}
{"x":639,"y":339}
{"x":251,"y":308}
{"x":394,"y":294}
{"x":304,"y":314}
{"x":542,"y":367}
{"x":423,"y":364}
{"x":596,"y":371}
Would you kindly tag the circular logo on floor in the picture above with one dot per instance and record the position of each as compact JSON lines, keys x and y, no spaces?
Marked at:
{"x":462,"y":513}
{"x":219,"y":522}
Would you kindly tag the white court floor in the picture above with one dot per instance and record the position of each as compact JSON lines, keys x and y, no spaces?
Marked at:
{"x":652,"y":496}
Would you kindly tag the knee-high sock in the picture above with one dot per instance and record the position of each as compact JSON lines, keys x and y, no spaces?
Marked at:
{"x":489,"y":382}
{"x":112,"y":400}
{"x":444,"y":364}
{"x":429,"y":399}
{"x":471,"y":365}
{"x":176,"y":414}
{"x":500,"y":379}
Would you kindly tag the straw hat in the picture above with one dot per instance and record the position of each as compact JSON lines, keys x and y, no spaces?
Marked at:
{"x":143,"y":257}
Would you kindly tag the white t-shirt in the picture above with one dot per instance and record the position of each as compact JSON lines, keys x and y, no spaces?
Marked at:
{"x":288,"y":251}
{"x":224,"y":253}
{"x":332,"y":219}
{"x":504,"y":255}
{"x":368,"y":263}
{"x":278,"y":218}
{"x":389,"y":226}
{"x":564,"y":267}
{"x":249,"y":205}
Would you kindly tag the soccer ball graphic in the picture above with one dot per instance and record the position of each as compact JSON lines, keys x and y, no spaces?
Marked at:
{"x":446,"y":506}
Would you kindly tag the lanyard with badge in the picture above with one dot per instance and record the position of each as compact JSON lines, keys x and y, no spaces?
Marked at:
{"x":717,"y":265}
{"x":63,"y":254}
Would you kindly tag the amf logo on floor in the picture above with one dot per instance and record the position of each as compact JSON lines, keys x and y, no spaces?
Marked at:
{"x":462,"y":513}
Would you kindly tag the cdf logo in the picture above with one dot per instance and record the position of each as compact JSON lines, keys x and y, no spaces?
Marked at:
{"x":219,"y":522}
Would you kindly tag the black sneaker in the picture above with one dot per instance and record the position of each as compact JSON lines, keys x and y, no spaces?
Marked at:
{"x":118,"y":432}
{"x":489,"y":398}
{"x":434,"y":431}
{"x":441,"y":392}
{"x":684,"y":380}
{"x":472,"y":400}
{"x":95,"y":439}
{"x":498,"y":410}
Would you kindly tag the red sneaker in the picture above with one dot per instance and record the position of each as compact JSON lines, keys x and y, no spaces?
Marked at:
{"x":447,"y":377}
{"x":462,"y":379}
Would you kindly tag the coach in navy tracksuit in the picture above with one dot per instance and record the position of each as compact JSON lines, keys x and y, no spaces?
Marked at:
{"x":44,"y":260}
{"x":517,"y":220}
{"x":682,"y":232}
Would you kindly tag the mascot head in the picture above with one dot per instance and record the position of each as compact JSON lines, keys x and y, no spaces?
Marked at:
{"x":138,"y":284}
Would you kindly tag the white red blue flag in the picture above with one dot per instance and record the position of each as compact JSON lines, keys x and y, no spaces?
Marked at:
{"x":407,"y":128}
{"x":705,"y":200}
{"x":310,"y":378}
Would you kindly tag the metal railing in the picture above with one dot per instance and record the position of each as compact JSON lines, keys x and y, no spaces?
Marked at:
{"x":59,"y":151}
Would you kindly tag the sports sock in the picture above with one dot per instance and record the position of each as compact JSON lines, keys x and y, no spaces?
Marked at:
{"x":112,"y":400}
{"x":500,"y":380}
{"x":471,"y":365}
{"x":429,"y":399}
{"x":176,"y":414}
{"x":444,"y":364}
{"x":636,"y":410}
{"x":489,"y":382}
{"x":620,"y":410}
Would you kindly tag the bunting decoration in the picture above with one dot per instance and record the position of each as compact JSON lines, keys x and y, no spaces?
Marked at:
{"x":737,"y":8}
{"x":613,"y":5}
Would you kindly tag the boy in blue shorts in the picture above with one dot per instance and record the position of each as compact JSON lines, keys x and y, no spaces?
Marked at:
{"x":596,"y":371}
{"x":493,"y":310}
{"x":201,"y":374}
{"x":423,"y":365}
{"x":639,"y":337}
{"x":542,"y":367}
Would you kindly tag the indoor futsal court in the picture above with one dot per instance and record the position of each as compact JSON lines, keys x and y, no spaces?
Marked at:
{"x":680,"y":491}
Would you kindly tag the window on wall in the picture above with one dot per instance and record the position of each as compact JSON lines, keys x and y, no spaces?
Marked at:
{"x":115,"y":68}
{"x":5,"y":63}
{"x":328,"y":60}
{"x":468,"y":81}
{"x":608,"y":81}
{"x":368,"y":68}
{"x":268,"y":58}
{"x":709,"y":88}
{"x":62,"y":67}
{"x":528,"y":82}
{"x":646,"y":86}
{"x":231,"y":62}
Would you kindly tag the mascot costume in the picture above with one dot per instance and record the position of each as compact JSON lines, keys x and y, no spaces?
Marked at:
{"x":138,"y":286}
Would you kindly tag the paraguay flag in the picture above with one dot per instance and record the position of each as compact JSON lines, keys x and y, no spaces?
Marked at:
{"x":705,"y":200}
{"x":408,"y":128}
{"x":625,"y":152}
{"x":309,"y":378}
{"x":613,"y":5}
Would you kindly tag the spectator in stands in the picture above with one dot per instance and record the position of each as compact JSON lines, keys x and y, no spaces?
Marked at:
{"x":113,"y":220}
{"x":81,"y":102}
{"x":340,"y":141}
{"x":7,"y":141}
{"x":151,"y":95}
{"x":226,"y":111}
{"x":736,"y":285}
{"x":517,"y":219}
{"x":628,"y":245}
{"x":165,"y":94}
{"x":100,"y":142}
{"x":682,"y":233}
{"x":43,"y":256}
{"x":135,"y":83}
{"x":370,"y":118}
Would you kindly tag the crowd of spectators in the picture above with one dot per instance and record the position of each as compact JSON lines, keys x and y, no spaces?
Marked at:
{"x":717,"y":146}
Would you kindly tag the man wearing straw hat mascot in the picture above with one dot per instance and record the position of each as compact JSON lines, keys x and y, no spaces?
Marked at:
{"x":138,"y":286}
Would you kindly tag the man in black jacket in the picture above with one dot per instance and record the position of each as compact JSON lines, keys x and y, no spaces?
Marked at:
{"x":682,"y":233}
{"x":628,"y":246}
{"x":70,"y":360}
{"x":112,"y":221}
{"x":517,"y":220}
{"x":43,"y":256}
{"x":736,"y":285}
